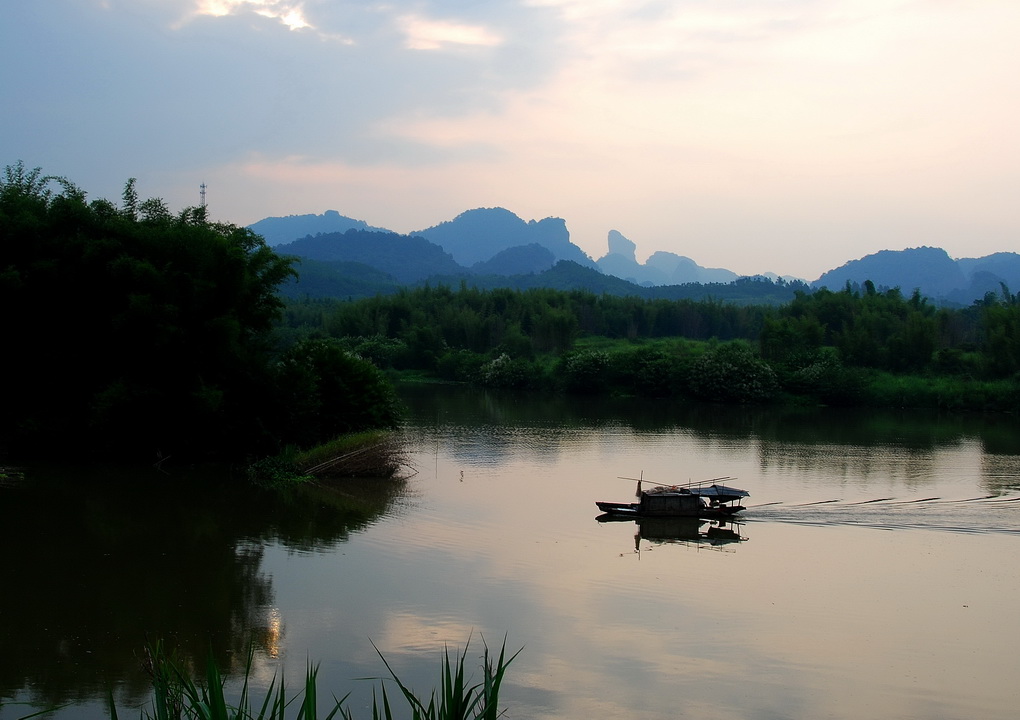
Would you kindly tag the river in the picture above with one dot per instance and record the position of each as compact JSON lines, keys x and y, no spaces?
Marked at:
{"x":873,"y":574}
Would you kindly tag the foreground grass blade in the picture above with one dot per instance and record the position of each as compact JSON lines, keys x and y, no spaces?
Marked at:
{"x":176,"y":696}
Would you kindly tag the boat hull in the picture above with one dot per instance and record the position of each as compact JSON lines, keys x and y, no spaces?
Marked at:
{"x":634,"y":510}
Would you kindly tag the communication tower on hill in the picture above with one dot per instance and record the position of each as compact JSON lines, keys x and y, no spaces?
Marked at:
{"x":201,"y":194}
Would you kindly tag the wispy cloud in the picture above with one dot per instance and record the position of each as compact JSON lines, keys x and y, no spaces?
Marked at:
{"x":425,"y":34}
{"x":290,"y":14}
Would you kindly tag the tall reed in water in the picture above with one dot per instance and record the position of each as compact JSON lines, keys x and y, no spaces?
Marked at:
{"x":177,"y":696}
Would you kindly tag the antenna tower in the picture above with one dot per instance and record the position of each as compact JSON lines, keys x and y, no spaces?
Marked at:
{"x":201,"y":193}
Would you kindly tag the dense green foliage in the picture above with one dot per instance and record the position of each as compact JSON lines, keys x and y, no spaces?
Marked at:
{"x":885,"y":331}
{"x":529,"y":321}
{"x":857,"y":346}
{"x":134,"y":330}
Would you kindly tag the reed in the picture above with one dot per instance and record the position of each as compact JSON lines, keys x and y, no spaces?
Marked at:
{"x":176,"y":695}
{"x":456,"y":700}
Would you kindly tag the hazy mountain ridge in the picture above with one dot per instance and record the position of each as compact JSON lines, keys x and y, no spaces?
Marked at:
{"x":280,"y":230}
{"x":930,"y":270}
{"x":518,"y":260}
{"x":406,"y":258}
{"x":495,"y":243}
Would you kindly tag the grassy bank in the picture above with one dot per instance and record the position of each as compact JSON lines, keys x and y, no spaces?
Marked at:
{"x":377,"y":454}
{"x":728,"y":372}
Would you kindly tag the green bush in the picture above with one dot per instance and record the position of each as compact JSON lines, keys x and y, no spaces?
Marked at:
{"x":732,"y":373}
{"x":509,"y":373}
{"x":325,"y":391}
{"x":460,"y":365}
{"x":823,"y":377}
{"x":646,"y":372}
{"x":383,"y":352}
{"x":584,"y":371}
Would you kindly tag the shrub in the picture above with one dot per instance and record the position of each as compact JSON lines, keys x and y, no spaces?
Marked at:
{"x":460,"y":365}
{"x":586,"y":371}
{"x":325,"y":391}
{"x":509,"y":373}
{"x":732,"y":373}
{"x":824,"y":378}
{"x":647,"y":372}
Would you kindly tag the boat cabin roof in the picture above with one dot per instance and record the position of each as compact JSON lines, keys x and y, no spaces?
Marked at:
{"x":719,"y":491}
{"x":714,"y":492}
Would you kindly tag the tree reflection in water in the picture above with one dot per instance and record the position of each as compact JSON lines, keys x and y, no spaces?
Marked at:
{"x":98,"y":561}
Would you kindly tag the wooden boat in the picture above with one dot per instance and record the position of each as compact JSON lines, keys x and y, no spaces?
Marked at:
{"x":704,"y":500}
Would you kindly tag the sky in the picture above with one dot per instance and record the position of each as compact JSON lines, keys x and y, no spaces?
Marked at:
{"x":785,"y":136}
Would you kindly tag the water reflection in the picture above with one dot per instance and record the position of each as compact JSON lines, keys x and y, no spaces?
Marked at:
{"x":855,"y":445}
{"x":686,"y":531}
{"x":865,"y":427}
{"x":500,"y":539}
{"x":97,"y":562}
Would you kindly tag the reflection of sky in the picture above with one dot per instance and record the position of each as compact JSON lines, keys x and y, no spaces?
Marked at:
{"x":800,"y":621}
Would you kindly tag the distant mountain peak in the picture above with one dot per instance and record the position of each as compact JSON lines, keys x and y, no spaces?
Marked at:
{"x":661,"y":268}
{"x":477,"y":235}
{"x":620,"y":245}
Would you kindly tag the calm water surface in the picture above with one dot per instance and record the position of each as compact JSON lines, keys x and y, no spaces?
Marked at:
{"x":873,"y":575}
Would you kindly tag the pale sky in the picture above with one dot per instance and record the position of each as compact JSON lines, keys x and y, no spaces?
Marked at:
{"x":757,"y":135}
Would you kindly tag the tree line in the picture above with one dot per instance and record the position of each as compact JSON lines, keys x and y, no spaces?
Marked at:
{"x":431,"y":320}
{"x":137,"y":331}
{"x":852,"y":346}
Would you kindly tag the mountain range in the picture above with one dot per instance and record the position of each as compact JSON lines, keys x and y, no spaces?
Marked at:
{"x":493,"y":247}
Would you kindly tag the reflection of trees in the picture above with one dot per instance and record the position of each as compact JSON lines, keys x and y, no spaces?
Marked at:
{"x":772,"y":427}
{"x":94,"y":566}
{"x":1001,"y":473}
{"x":860,"y":443}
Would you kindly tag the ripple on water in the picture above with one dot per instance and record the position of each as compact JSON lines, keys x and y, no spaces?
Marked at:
{"x":987,"y":514}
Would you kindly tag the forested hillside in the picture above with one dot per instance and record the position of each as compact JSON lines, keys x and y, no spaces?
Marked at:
{"x":351,"y":280}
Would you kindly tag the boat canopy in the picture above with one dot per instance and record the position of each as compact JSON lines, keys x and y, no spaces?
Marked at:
{"x":722,"y":493}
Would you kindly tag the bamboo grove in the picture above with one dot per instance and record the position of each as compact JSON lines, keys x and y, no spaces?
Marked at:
{"x":136,"y":332}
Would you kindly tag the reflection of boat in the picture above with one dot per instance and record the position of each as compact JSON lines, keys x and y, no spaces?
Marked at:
{"x":686,"y":530}
{"x":705,"y":500}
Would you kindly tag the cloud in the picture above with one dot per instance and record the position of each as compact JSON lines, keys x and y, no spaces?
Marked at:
{"x":693,"y":122}
{"x":425,"y":34}
{"x":291,"y":14}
